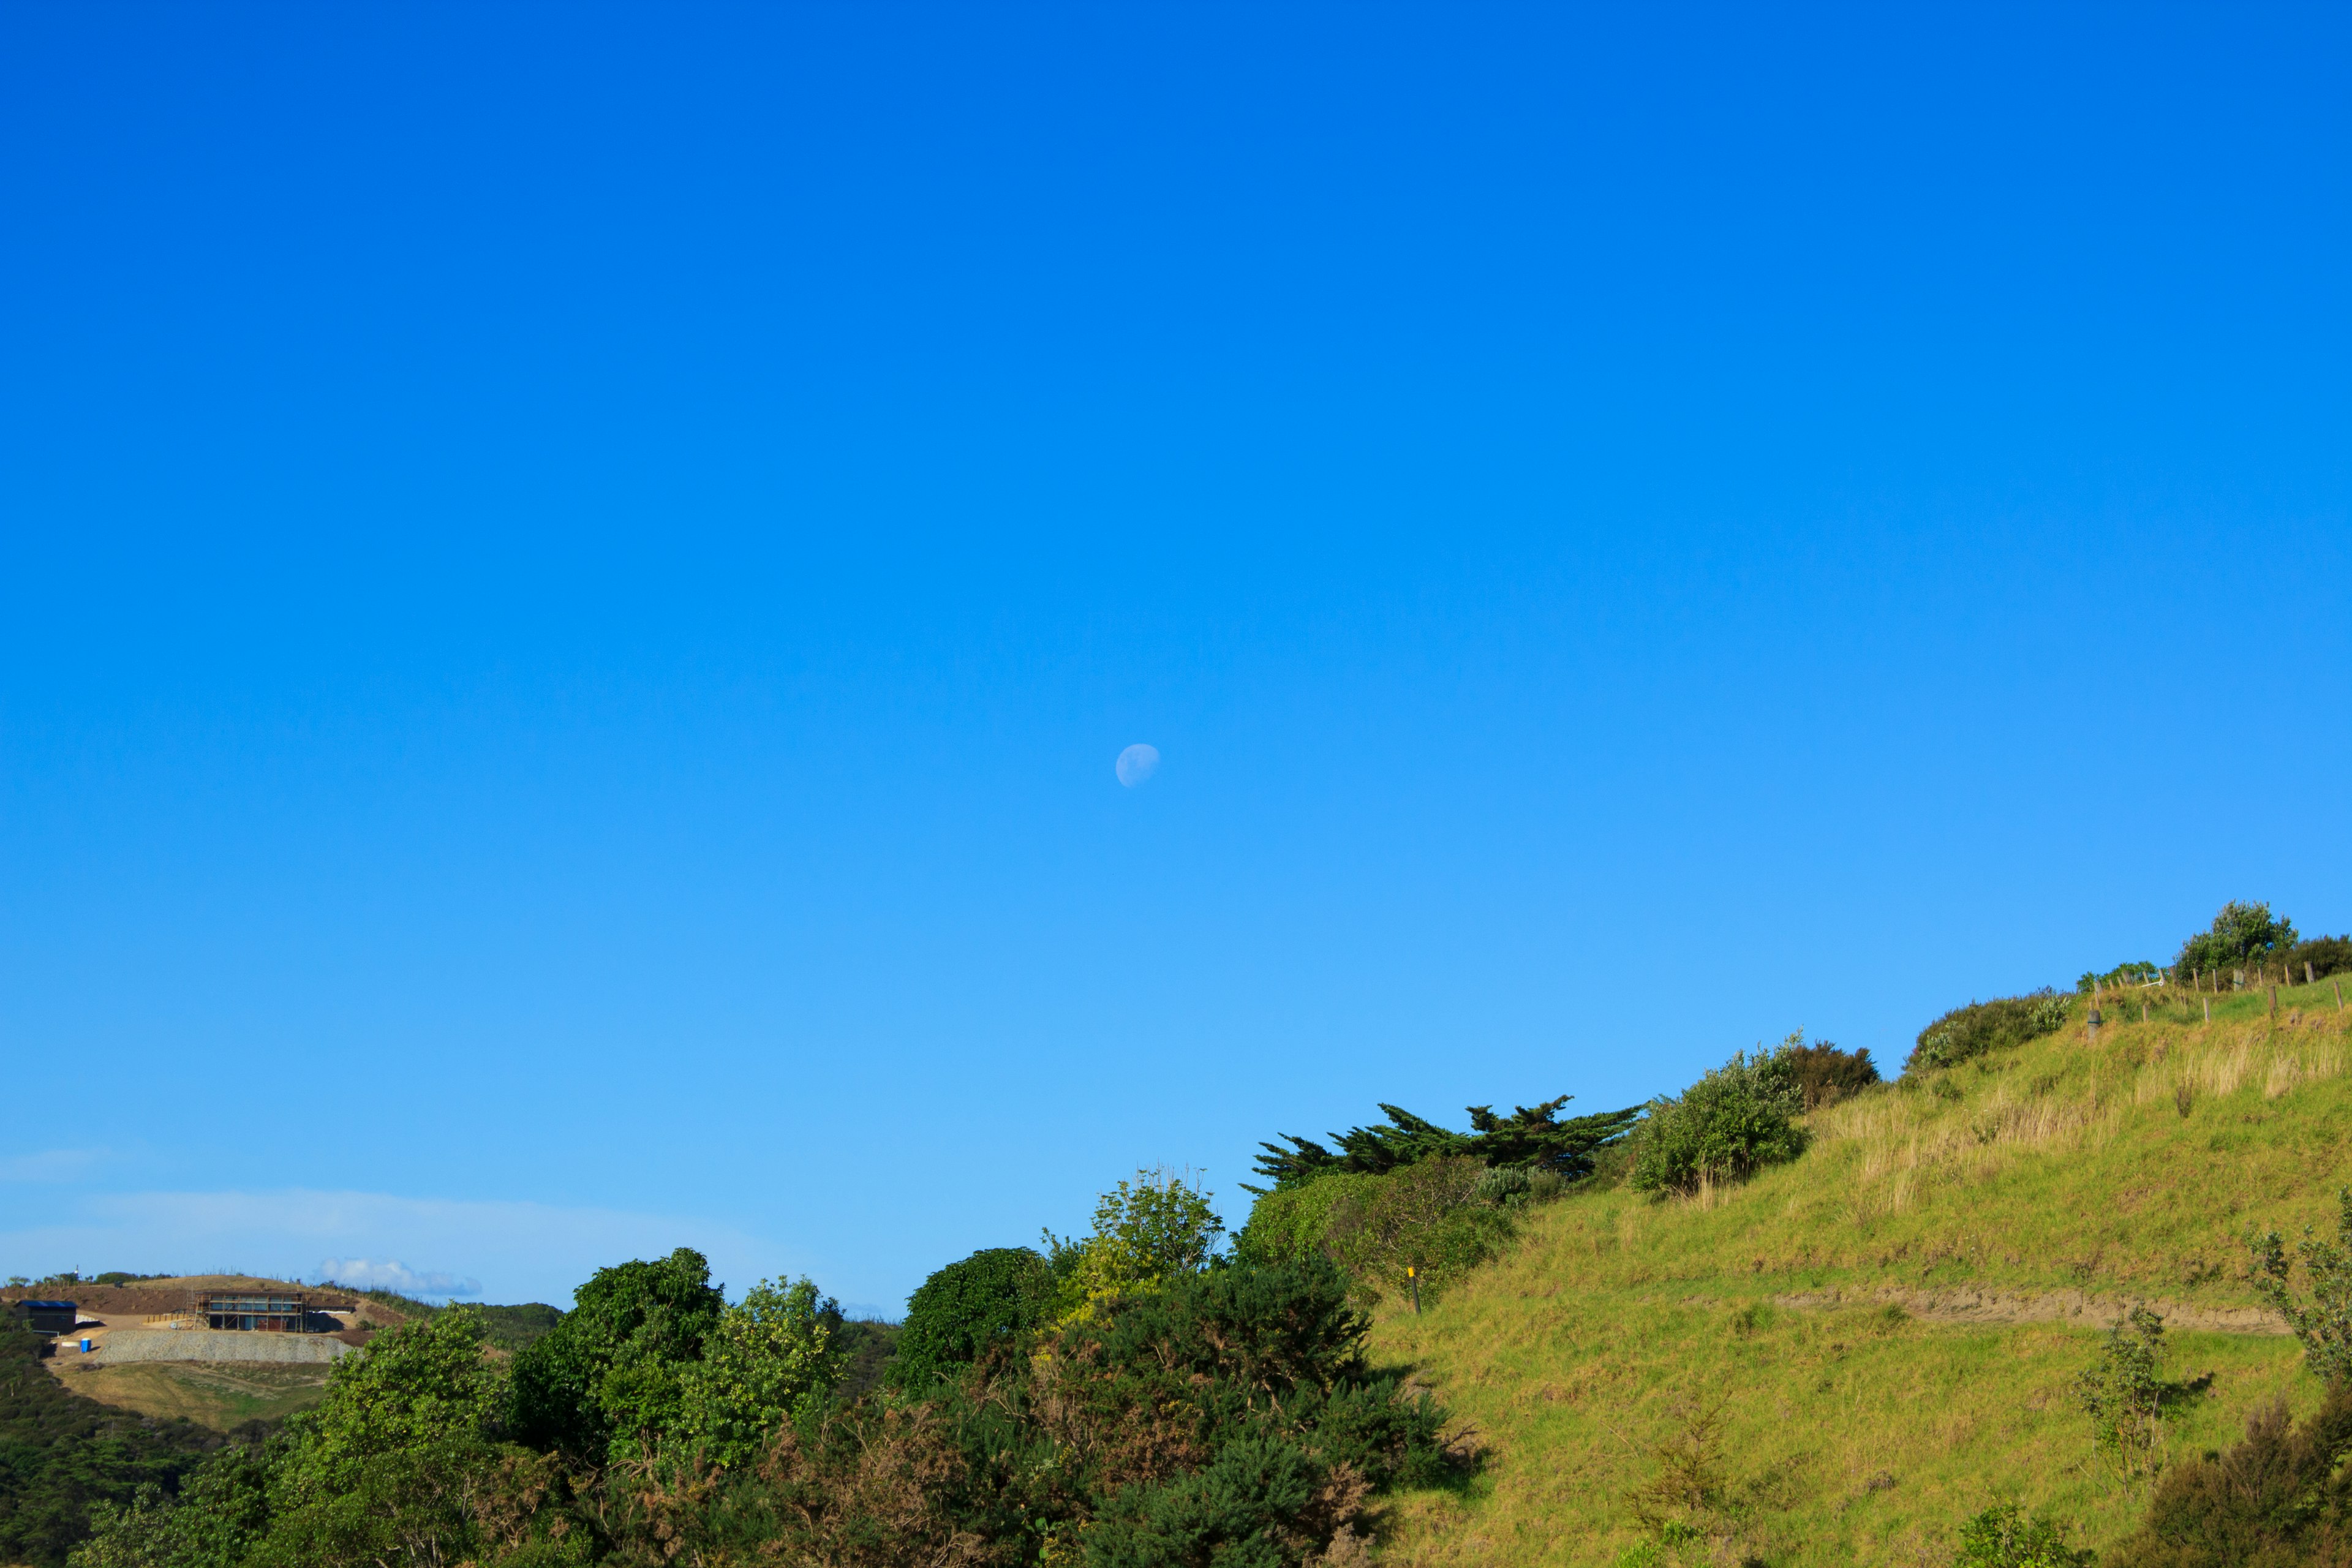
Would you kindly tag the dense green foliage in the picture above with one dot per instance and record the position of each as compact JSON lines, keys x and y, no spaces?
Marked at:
{"x":2004,"y":1536}
{"x":1738,"y":1118}
{"x":964,"y":1308}
{"x":2283,"y":1497}
{"x":1966,"y":1032}
{"x":60,"y":1454}
{"x":512,"y":1327}
{"x":1138,"y":1400}
{"x":1438,"y":1218}
{"x":2241,"y":934}
{"x":1532,"y":1137}
{"x":613,"y":1369}
{"x":2326,"y":955}
{"x":1826,"y":1075}
{"x":1148,"y":1232}
{"x":769,"y":1358}
{"x":1229,"y":1416}
{"x":403,"y":1462}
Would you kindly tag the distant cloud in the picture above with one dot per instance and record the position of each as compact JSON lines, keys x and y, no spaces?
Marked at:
{"x":366,"y":1274}
{"x":49,"y":1165}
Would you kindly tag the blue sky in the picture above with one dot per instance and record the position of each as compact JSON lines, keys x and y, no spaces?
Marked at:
{"x":571,"y":580}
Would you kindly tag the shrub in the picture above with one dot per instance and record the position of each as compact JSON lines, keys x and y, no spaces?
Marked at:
{"x":1288,"y":1225}
{"x":2003,"y":1537}
{"x":2139,"y":973}
{"x":1149,"y":1231}
{"x":1425,"y":1218}
{"x":2326,"y":955}
{"x":2241,"y":933}
{"x":1513,"y":1188}
{"x":1826,"y":1075}
{"x":769,"y":1359}
{"x":1738,"y":1118}
{"x":1440,"y":1216}
{"x":2284,"y":1496}
{"x":1968,"y":1032}
{"x":2324,"y":1322}
{"x":963,"y":1310}
{"x":2123,"y":1392}
{"x":1229,"y":1418}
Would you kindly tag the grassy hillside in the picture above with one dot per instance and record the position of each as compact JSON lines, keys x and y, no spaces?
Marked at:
{"x":221,"y":1396}
{"x":1888,"y":1329}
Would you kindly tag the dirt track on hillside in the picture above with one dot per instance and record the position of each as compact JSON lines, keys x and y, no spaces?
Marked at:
{"x":1972,"y":1304}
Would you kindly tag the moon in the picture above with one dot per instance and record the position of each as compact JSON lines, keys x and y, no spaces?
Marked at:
{"x":1137,"y":763}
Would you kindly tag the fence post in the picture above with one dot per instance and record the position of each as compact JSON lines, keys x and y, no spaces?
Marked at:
{"x":2209,"y":1009}
{"x":2274,"y":1001}
{"x":2309,"y":977}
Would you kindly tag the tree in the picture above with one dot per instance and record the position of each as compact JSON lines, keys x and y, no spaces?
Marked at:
{"x":962,"y":1309}
{"x":1532,"y":1137}
{"x":410,"y":1388}
{"x":2241,"y":934}
{"x":1157,"y":1228}
{"x":612,"y":1374}
{"x":769,"y":1356}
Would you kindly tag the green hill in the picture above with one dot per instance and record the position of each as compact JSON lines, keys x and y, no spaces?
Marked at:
{"x":1873,"y":1342}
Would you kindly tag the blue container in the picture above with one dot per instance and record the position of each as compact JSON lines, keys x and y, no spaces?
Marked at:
{"x":85,"y":1344}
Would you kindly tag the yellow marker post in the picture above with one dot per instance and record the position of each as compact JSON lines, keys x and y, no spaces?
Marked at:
{"x":1414,"y":1276}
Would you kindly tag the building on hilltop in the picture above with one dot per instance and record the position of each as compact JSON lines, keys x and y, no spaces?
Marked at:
{"x":265,"y":1311}
{"x":46,"y":1317}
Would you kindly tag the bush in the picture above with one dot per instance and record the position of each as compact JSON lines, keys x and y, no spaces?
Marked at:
{"x":1440,"y":1217}
{"x":1968,"y":1032}
{"x":2326,"y":955}
{"x":1155,"y":1229}
{"x":771,"y":1358}
{"x":1738,"y":1118}
{"x":1425,"y":1218}
{"x":2139,"y":973}
{"x":1289,"y":1224}
{"x":2003,"y":1537}
{"x":2241,"y":934}
{"x":2124,"y":1393}
{"x":2282,"y":1496}
{"x":1229,"y":1417}
{"x":987,"y":1299}
{"x":2323,"y":1321}
{"x":1826,"y":1075}
{"x":613,"y":1368}
{"x":1514,"y":1187}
